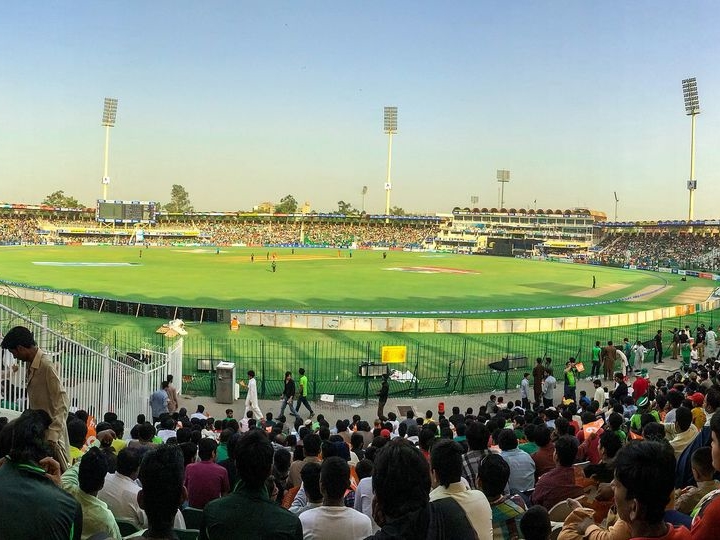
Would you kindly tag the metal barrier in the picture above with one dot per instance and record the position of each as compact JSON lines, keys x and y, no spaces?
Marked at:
{"x":96,"y":377}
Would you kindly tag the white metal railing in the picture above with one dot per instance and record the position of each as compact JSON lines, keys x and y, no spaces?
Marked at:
{"x":96,"y":378}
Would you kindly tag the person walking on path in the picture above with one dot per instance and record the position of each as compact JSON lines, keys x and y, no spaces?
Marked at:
{"x":159,"y":402}
{"x":251,"y":400}
{"x":288,"y":395}
{"x":383,"y":396}
{"x":302,"y":400}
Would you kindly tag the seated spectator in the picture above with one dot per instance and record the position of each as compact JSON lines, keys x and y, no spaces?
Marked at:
{"x":477,"y":437}
{"x":604,"y":471}
{"x":145,"y":436}
{"x":682,"y":431}
{"x":544,"y":457}
{"x":535,"y":524}
{"x":248,"y":507}
{"x":506,"y":510}
{"x":401,"y":508}
{"x":167,"y":428}
{"x":702,"y":471}
{"x":311,"y":450}
{"x":77,"y":432}
{"x":707,"y":511}
{"x":310,"y":475}
{"x":643,"y":485}
{"x":205,"y":480}
{"x":559,"y":483}
{"x":333,"y":520}
{"x":446,"y":472}
{"x":121,"y":489}
{"x":522,"y":466}
{"x":83,"y":481}
{"x":530,"y":446}
{"x":29,"y":481}
{"x":363,"y":491}
{"x":161,"y":475}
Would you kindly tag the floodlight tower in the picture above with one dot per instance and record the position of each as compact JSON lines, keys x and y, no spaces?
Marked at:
{"x":503,"y":177}
{"x":363,"y":193}
{"x":390,"y":127}
{"x":108,"y":121}
{"x":616,"y":204}
{"x":692,"y":109}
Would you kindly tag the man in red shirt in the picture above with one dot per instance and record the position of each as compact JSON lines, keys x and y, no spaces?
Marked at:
{"x":558,"y":484}
{"x":205,"y":480}
{"x":640,"y":386}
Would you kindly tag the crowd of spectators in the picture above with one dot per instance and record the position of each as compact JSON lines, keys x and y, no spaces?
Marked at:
{"x":649,"y":453}
{"x":687,"y":251}
{"x":23,"y":230}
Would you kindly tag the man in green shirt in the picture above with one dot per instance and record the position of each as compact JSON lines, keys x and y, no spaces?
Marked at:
{"x":248,"y":512}
{"x":595,"y":371}
{"x":302,"y":400}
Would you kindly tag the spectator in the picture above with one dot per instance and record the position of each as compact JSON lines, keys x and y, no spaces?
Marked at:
{"x":682,"y":432}
{"x":522,"y":466}
{"x":205,"y":480}
{"x":702,"y":471}
{"x":535,"y":524}
{"x":247,"y":510}
{"x":83,"y":481}
{"x":446,"y":472}
{"x":311,"y":450}
{"x":506,"y":510}
{"x":477,"y":437}
{"x":544,"y":458}
{"x":559,"y":483}
{"x":310,"y":475}
{"x":333,"y":520}
{"x":29,"y":480}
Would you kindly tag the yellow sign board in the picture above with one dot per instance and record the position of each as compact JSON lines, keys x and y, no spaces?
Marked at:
{"x":394,"y":354}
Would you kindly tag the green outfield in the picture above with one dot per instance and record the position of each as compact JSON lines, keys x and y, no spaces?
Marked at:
{"x":333,"y":280}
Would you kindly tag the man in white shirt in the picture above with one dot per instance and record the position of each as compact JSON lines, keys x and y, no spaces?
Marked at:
{"x":199,"y":414}
{"x":446,"y":471}
{"x":333,"y":520}
{"x":599,"y":395}
{"x":251,"y":400}
{"x":120,"y":491}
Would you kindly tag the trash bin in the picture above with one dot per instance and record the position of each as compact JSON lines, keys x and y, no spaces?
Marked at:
{"x":225,"y":382}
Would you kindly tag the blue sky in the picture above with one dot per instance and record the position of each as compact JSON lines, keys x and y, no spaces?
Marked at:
{"x":244,"y":102}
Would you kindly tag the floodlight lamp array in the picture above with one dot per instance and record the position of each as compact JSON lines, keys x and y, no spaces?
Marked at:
{"x":690,"y":94}
{"x":390,"y":125}
{"x":503,"y":175}
{"x":109,"y":112}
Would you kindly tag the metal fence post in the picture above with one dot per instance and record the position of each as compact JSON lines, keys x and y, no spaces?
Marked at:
{"x":417,"y":369}
{"x":315,"y":371}
{"x":262,"y":369}
{"x":462,"y":370}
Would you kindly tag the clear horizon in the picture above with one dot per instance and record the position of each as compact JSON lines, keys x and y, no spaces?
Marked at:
{"x":243,"y":103}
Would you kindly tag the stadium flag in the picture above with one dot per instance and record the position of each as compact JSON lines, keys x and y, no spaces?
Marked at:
{"x":393,"y":354}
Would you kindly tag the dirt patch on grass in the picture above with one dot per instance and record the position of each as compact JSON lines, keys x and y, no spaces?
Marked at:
{"x":692,"y":295}
{"x":599,"y":291}
{"x":649,"y":292}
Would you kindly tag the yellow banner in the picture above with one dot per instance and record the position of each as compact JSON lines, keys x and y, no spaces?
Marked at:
{"x":394,"y":354}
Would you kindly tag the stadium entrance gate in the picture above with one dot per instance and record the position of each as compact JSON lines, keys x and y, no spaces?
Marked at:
{"x":96,"y":377}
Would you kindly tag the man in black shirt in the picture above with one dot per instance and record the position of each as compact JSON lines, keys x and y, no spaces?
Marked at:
{"x":288,"y":395}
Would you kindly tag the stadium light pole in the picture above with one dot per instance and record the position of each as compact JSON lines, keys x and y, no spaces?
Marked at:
{"x":503,"y":177}
{"x":364,"y":192}
{"x":616,"y":204}
{"x":108,"y":121}
{"x":692,"y":109}
{"x":390,"y":128}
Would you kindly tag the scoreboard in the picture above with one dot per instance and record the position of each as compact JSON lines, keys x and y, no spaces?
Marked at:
{"x":125,"y":211}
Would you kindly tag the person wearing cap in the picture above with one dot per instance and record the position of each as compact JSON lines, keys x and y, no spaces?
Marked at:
{"x":698,"y":414}
{"x":642,"y":408}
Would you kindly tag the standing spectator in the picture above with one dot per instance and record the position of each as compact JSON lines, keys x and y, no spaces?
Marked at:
{"x":205,"y":480}
{"x":445,"y":471}
{"x":538,"y":374}
{"x":570,"y":380}
{"x":333,"y":520}
{"x":658,"y":355}
{"x":173,"y":404}
{"x":525,"y":391}
{"x":506,"y":510}
{"x":608,"y":355}
{"x":599,"y":394}
{"x":711,"y":343}
{"x":251,"y":400}
{"x":302,"y":400}
{"x":638,"y":350}
{"x":248,"y":512}
{"x":288,"y":395}
{"x":383,"y":396}
{"x":159,"y":402}
{"x":595,"y":359}
{"x":44,"y":389}
{"x":548,"y":390}
{"x":29,"y":482}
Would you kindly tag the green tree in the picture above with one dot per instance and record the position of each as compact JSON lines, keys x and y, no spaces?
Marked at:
{"x":179,"y":200}
{"x":58,"y":199}
{"x":397,"y":211}
{"x":287,"y":205}
{"x":346,"y":208}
